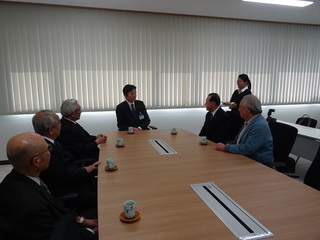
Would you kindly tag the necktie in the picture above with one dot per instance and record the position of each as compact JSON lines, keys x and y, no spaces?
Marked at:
{"x":211,"y":117}
{"x":133,"y":110}
{"x":42,"y":184}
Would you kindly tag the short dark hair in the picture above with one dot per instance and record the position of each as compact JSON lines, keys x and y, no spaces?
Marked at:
{"x":214,"y":97}
{"x":128,"y":88}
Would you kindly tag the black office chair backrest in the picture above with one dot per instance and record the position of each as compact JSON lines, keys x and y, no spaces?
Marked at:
{"x":284,"y":137}
{"x":312,"y":177}
{"x":305,"y":120}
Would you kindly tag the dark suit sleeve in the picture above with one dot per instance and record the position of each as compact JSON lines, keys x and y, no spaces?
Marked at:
{"x":80,"y":143}
{"x":221,"y":129}
{"x":28,"y":211}
{"x":142,"y":111}
{"x":26,"y":215}
{"x":203,"y":131}
{"x":81,"y":146}
{"x":123,"y":118}
{"x":63,"y":171}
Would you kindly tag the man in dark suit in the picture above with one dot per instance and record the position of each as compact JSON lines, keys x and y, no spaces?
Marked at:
{"x":80,"y":143}
{"x":63,"y":176}
{"x":216,"y":123}
{"x":27,"y":209}
{"x":132,"y":112}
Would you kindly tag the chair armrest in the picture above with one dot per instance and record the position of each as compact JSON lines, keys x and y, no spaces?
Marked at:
{"x":68,"y":196}
{"x":275,"y":164}
{"x":292,"y":175}
{"x":84,"y":162}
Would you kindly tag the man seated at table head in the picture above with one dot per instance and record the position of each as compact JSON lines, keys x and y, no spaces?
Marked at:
{"x":216,"y":123}
{"x":63,"y":176}
{"x":132,"y":112}
{"x":254,"y":139}
{"x":76,"y":138}
{"x":27,"y":209}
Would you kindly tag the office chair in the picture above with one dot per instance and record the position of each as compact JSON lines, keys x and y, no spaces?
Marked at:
{"x":84,"y":162}
{"x":67,"y":199}
{"x":305,"y":120}
{"x":312,"y":177}
{"x":284,"y":137}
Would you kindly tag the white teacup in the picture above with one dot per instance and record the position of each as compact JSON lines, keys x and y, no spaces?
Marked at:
{"x":129,"y":208}
{"x":120,"y":141}
{"x":173,"y":130}
{"x":203,"y":139}
{"x":130,"y":129}
{"x":110,"y":162}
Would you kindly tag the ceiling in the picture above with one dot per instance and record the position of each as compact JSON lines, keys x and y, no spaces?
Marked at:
{"x":235,"y":9}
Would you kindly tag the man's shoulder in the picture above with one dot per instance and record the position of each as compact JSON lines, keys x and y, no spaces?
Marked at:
{"x":221,"y":113}
{"x":122,"y":104}
{"x":259,"y":119}
{"x":63,"y":120}
{"x":16,"y":182}
{"x":259,"y":122}
{"x":139,"y":103}
{"x":66,"y":123}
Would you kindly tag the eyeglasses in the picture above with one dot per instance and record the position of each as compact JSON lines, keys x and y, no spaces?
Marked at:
{"x":48,"y":150}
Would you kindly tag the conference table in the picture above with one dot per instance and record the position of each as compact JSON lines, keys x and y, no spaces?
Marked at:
{"x":171,"y":209}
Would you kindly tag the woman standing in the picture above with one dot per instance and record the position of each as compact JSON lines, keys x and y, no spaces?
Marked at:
{"x":236,"y":122}
{"x":244,"y":88}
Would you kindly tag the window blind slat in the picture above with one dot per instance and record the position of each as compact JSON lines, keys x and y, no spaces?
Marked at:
{"x":48,"y":54}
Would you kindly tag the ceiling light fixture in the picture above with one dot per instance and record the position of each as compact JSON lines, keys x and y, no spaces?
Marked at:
{"x":292,"y":3}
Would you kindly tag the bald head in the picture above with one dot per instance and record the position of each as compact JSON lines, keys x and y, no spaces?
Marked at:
{"x":24,"y":147}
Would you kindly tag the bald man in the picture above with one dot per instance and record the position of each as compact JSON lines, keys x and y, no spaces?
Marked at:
{"x":27,"y":209}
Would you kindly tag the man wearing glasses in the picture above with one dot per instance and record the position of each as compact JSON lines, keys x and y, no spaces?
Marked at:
{"x":27,"y":209}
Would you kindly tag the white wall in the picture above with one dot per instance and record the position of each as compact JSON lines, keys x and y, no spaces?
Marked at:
{"x":188,"y":119}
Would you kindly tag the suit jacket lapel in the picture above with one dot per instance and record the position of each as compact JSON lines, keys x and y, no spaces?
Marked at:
{"x":247,"y":130}
{"x":41,"y":190}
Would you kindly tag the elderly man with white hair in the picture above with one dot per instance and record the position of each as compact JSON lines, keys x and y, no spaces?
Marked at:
{"x":254,"y":139}
{"x":80,"y":143}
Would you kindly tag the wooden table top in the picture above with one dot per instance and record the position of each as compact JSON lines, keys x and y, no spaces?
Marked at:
{"x":170,"y":209}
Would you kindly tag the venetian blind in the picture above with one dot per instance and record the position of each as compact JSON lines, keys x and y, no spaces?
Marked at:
{"x":49,"y":54}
